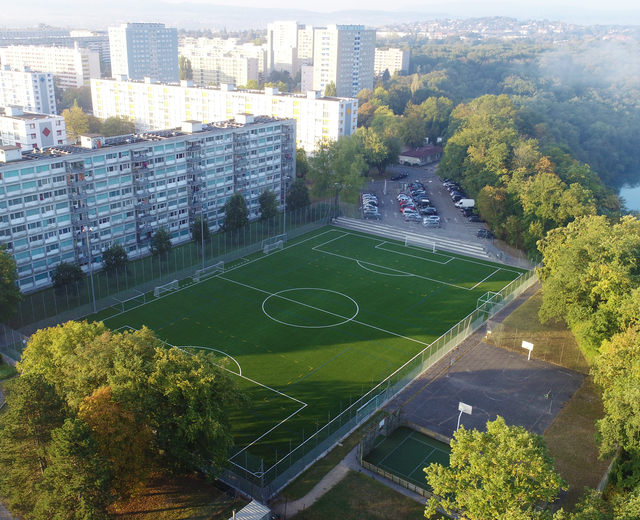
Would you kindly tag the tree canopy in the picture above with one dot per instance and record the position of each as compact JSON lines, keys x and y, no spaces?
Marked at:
{"x":116,"y":125}
{"x":161,"y":242}
{"x":66,"y":273}
{"x":10,"y":294}
{"x":185,"y":69}
{"x":501,"y":473}
{"x":114,"y":257}
{"x":84,"y":393}
{"x":236,"y":213}
{"x":268,"y":205}
{"x":78,"y":123}
{"x":298,"y":196}
{"x":200,"y":230}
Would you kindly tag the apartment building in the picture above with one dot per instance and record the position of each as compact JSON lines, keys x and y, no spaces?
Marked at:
{"x":72,"y":67}
{"x":30,"y":130}
{"x":31,"y":91}
{"x":68,"y":203}
{"x":306,"y":41}
{"x":214,"y":67}
{"x":230,"y":48}
{"x":344,"y":55}
{"x":144,"y":49}
{"x":282,"y":46}
{"x":156,"y":106}
{"x":393,"y":60}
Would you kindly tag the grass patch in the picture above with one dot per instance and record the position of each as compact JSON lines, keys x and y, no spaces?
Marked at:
{"x":307,"y":480}
{"x":553,"y":341}
{"x":571,"y":443}
{"x":359,"y":497}
{"x":175,"y":499}
{"x":7,"y":371}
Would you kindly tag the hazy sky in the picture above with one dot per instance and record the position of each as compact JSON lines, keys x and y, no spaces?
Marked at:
{"x":386,"y":5}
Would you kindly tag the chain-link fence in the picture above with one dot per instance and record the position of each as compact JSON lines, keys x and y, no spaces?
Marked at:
{"x":248,"y":473}
{"x":11,"y":344}
{"x":103,"y":289}
{"x":552,"y":345}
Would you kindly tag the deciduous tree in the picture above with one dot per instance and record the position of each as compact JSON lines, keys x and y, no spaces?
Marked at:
{"x":67,"y":273}
{"x":298,"y":196}
{"x":330,"y":89}
{"x":236,"y":213}
{"x":117,"y":125}
{"x":268,"y":205}
{"x":200,"y":231}
{"x":499,"y":473}
{"x":10,"y":294}
{"x":161,"y":242}
{"x":185,"y":69}
{"x":114,"y":257}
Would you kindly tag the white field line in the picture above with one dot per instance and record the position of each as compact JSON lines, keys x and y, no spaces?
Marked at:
{"x":379,"y":246}
{"x":394,"y":449}
{"x":485,"y":279}
{"x":422,"y":462}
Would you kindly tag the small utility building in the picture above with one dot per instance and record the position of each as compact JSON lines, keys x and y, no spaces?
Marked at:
{"x":253,"y":511}
{"x":421,"y":156}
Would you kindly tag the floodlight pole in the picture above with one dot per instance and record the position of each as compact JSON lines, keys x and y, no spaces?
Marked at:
{"x":93,"y":291}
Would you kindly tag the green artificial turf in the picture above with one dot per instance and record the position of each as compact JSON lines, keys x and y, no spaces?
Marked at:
{"x":317,"y":325}
{"x":406,"y":453}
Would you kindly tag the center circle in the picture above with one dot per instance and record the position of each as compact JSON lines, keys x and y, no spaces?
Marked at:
{"x":310,"y":308}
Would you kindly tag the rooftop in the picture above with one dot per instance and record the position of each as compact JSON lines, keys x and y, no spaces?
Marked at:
{"x":16,"y":113}
{"x":423,"y":151}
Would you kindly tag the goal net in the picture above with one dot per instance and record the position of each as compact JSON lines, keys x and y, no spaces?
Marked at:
{"x":138,"y":298}
{"x":208,"y":272}
{"x":270,"y":248}
{"x":161,"y":289}
{"x":421,"y":243}
{"x":269,"y":241}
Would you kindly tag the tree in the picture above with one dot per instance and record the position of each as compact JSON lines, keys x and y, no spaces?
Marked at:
{"x":617,"y":372}
{"x":298,"y":196}
{"x":116,"y":125}
{"x":590,"y":277}
{"x":336,"y":169}
{"x":385,"y":75}
{"x":503,"y":470}
{"x":412,"y":130}
{"x":200,"y":231}
{"x":66,"y":273}
{"x":252,"y":84}
{"x":161,"y":242}
{"x":268,"y":205}
{"x":380,"y":151}
{"x":76,"y":482}
{"x":71,"y":96}
{"x":330,"y":89}
{"x":78,"y":123}
{"x":10,"y":294}
{"x":184,"y":68}
{"x":302,"y":164}
{"x":236,"y":213}
{"x":114,"y":257}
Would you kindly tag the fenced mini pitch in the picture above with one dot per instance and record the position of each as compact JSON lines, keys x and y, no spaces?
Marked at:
{"x":320,"y":333}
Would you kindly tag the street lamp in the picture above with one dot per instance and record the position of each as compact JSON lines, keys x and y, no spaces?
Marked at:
{"x":93,"y":291}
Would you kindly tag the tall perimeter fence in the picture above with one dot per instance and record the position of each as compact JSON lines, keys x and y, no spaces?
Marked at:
{"x":53,"y":306}
{"x":248,"y":473}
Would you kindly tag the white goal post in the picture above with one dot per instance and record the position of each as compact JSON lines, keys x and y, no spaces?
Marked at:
{"x":417,"y":242}
{"x":269,"y":248}
{"x":161,"y":289}
{"x":272,"y":240}
{"x":212,"y":270}
{"x":138,"y":297}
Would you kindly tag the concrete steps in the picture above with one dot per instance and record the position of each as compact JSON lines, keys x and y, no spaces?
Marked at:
{"x":442,"y":244}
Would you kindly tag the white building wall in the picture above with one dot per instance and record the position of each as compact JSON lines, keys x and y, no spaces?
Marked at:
{"x":29,"y":130}
{"x":33,"y":91}
{"x":392,"y":60}
{"x":73,"y":67}
{"x":54,"y":208}
{"x":139,"y":50}
{"x":213,"y":67}
{"x":344,"y":54}
{"x":155,"y":106}
{"x":282,"y":43}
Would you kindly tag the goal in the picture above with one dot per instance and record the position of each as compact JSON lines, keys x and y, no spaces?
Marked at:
{"x":269,"y":248}
{"x":272,"y":240}
{"x":421,"y":243}
{"x":161,"y":289}
{"x":138,"y":298}
{"x":207,"y":272}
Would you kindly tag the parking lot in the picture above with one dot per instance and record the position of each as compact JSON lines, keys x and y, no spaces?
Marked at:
{"x":452,"y":221}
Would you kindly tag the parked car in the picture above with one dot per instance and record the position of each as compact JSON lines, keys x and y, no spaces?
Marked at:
{"x":484,"y":233}
{"x":429,"y":210}
{"x":413,"y":217}
{"x":467,"y":212}
{"x":396,"y":177}
{"x":475,"y":218}
{"x":372,"y":215}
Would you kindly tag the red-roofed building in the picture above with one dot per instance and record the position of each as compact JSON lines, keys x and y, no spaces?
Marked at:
{"x":421,"y":156}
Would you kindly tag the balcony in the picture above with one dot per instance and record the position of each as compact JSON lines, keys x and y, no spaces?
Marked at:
{"x":194,"y":145}
{"x":75,"y":167}
{"x":78,"y":196}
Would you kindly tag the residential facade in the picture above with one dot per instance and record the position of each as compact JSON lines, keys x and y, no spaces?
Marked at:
{"x":157,"y":106}
{"x":31,"y":130}
{"x":230,"y":48}
{"x":144,"y":49}
{"x":68,"y":203}
{"x":213,"y":67}
{"x":344,"y":55}
{"x":393,"y":60}
{"x":32,"y":91}
{"x":71,"y":67}
{"x":282,"y":46}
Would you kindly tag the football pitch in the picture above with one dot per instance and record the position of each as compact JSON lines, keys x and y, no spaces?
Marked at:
{"x":311,"y":328}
